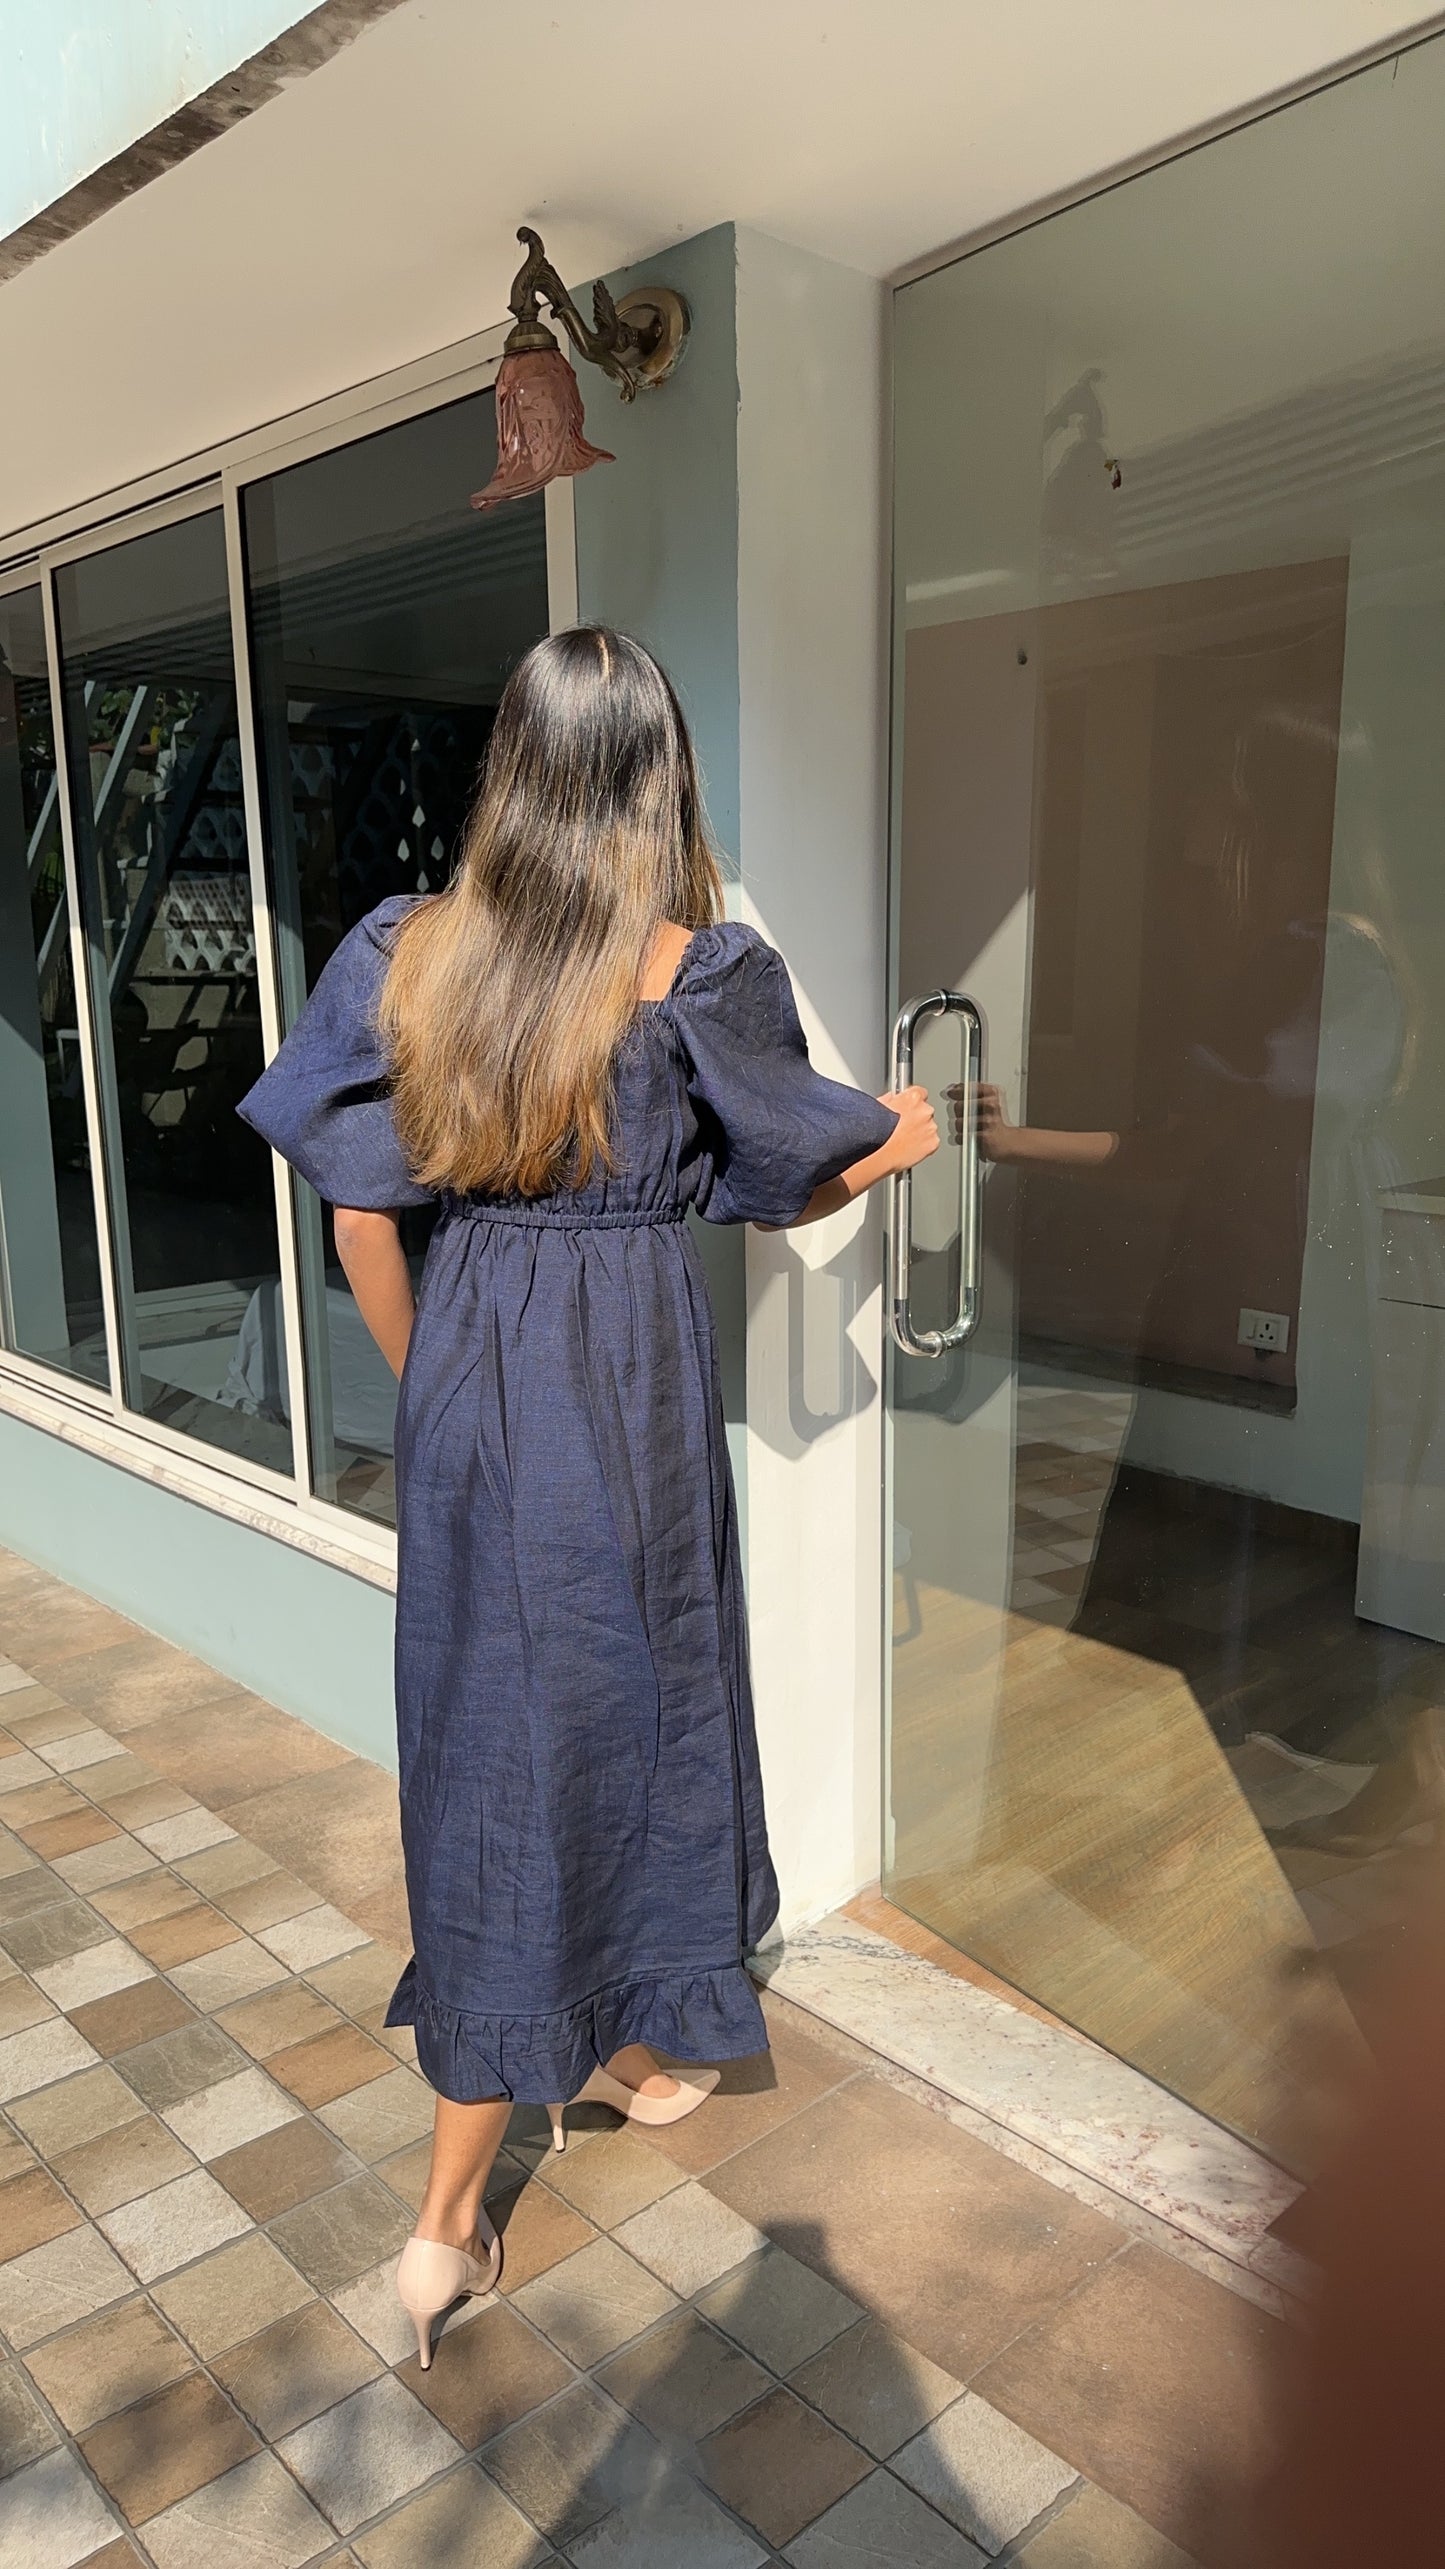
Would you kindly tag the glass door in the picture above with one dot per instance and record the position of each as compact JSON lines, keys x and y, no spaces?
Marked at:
{"x":1167,"y":1724}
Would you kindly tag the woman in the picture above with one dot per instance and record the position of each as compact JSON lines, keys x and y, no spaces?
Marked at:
{"x":568,"y":1048}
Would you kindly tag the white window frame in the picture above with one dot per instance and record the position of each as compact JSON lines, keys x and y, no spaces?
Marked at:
{"x":87,"y":1415}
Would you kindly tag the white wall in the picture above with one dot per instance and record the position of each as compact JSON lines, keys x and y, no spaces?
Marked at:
{"x":812,"y":751}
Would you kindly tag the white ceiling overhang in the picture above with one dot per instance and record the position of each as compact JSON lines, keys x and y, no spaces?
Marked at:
{"x":366,"y":216}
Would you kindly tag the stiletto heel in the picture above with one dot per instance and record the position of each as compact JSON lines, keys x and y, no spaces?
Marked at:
{"x":430,"y":2277}
{"x":559,"y":2128}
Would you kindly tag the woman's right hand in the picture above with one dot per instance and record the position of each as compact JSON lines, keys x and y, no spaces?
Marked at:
{"x":915,"y":1135}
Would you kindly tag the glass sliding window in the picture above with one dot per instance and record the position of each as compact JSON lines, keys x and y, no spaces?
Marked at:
{"x":385,"y":615}
{"x":49,"y":1264}
{"x":155,"y":786}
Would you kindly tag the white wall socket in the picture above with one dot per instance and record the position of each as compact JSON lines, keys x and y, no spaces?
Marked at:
{"x":1267,"y":1332}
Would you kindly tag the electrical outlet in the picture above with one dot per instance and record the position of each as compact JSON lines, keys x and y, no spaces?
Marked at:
{"x":1267,"y":1332}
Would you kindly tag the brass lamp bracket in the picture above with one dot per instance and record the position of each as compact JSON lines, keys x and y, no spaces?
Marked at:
{"x":637,"y":341}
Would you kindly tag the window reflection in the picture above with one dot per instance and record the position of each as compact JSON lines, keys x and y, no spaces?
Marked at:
{"x":385,"y":616}
{"x":50,"y":1275}
{"x":155,"y":780}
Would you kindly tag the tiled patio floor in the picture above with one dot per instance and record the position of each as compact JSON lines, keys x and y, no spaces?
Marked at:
{"x":816,"y":2323}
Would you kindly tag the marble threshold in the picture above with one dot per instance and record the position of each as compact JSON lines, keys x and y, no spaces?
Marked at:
{"x":1079,"y":2107}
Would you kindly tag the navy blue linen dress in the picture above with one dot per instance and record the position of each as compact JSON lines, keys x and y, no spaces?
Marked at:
{"x":582,"y":1813}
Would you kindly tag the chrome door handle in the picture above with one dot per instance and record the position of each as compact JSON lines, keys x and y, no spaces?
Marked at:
{"x":936,"y":1342}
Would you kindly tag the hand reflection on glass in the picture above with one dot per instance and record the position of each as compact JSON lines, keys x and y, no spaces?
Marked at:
{"x":1019,"y":1145}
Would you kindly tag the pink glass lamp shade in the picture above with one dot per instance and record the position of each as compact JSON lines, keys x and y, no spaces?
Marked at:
{"x":539,"y":427}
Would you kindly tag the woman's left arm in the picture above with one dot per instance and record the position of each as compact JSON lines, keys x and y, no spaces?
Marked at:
{"x":370,"y":1250}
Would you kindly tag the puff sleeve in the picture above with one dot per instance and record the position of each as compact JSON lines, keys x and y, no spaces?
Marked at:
{"x":323,"y":1102}
{"x":773,"y":1128}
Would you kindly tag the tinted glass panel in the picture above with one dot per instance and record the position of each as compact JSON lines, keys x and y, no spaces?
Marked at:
{"x":155,"y":780}
{"x":385,"y":616}
{"x":1167,"y":1746}
{"x":50,"y":1284}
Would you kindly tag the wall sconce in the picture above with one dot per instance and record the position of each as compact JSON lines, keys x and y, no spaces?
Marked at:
{"x":539,"y":401}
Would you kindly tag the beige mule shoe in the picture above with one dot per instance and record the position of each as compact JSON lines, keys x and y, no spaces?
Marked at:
{"x":603,"y":2089}
{"x":430,"y":2277}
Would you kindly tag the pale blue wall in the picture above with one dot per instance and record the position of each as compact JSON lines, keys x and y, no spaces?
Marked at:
{"x":302,"y":1634}
{"x":80,"y":79}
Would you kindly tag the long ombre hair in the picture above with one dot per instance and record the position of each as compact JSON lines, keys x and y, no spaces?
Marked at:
{"x":508,"y":996}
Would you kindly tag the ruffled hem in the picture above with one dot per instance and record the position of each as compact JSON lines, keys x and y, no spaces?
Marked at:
{"x":543,"y":2060}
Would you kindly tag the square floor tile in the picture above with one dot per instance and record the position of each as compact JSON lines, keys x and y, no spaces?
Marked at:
{"x":368,"y":2452}
{"x":176,"y":2223}
{"x":780,"y":2309}
{"x":284,"y":2167}
{"x":880,"y":2391}
{"x":231,"y":2295}
{"x":186,"y":1834}
{"x":196,"y":2056}
{"x":233,"y":2111}
{"x":286,"y":2018}
{"x":487,"y":2371}
{"x":109,"y":2362}
{"x":143,"y":1804}
{"x":780,"y":2465}
{"x":67,"y":1832}
{"x":338,"y":2236}
{"x":42,"y":2054}
{"x":332,"y":2064}
{"x":53,"y":1933}
{"x":407,"y":2174}
{"x":72,"y":2110}
{"x":365,"y":1978}
{"x":615,"y":2178}
{"x":1095,"y":2532}
{"x":383,"y":2116}
{"x":122,"y":2164}
{"x":80,"y":1749}
{"x":25,"y":2430}
{"x":983,"y":2472}
{"x":684,"y":2379}
{"x":97,"y":1973}
{"x":264,"y":1903}
{"x":594,"y":2302}
{"x":573,"y":2463}
{"x":15,"y":2155}
{"x":298,"y":2366}
{"x":54,"y":2515}
{"x":22,"y":1768}
{"x":99,"y":1868}
{"x":882,"y":2525}
{"x":218,"y":1979}
{"x":32,"y":2210}
{"x":25,"y":1883}
{"x":689,"y":2238}
{"x":316,"y":1936}
{"x":538,"y":2230}
{"x":133,"y":2016}
{"x":464,"y":2522}
{"x":174,"y":2441}
{"x":53,"y":2286}
{"x":198,"y":1930}
{"x":221,"y":1868}
{"x":156,"y":1893}
{"x":253,"y":2517}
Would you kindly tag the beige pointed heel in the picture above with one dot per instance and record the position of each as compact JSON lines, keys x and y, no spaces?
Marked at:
{"x":654,"y":2111}
{"x":430,"y":2277}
